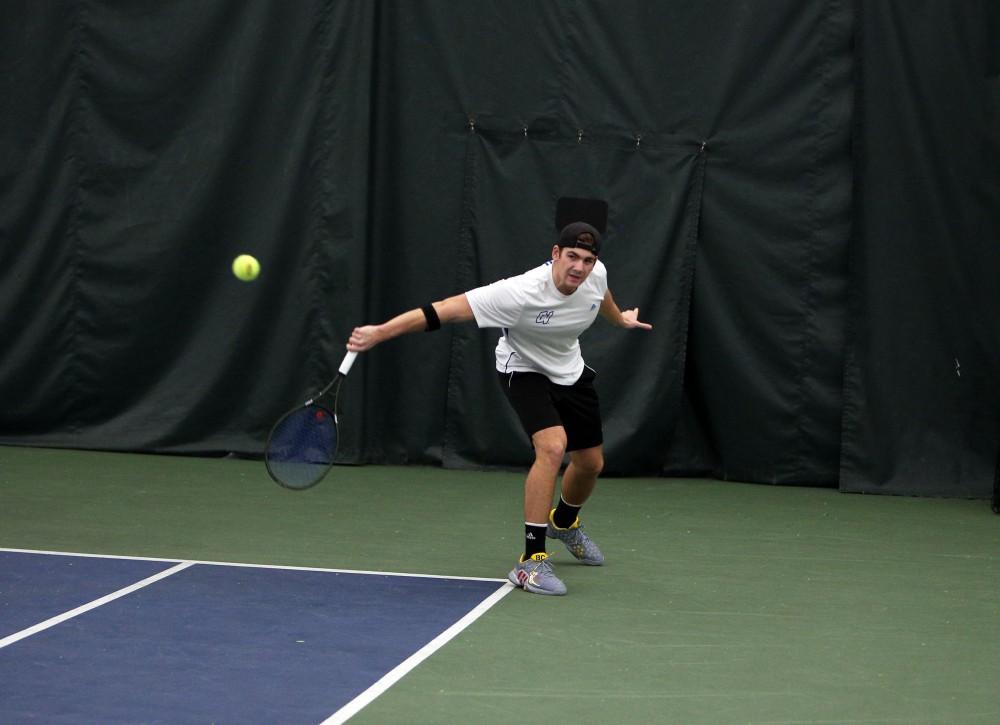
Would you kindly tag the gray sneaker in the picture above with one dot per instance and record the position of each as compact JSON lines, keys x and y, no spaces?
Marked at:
{"x":579,"y":544}
{"x":535,"y":575}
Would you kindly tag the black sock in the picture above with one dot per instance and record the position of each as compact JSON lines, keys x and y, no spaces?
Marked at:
{"x":534,"y":539}
{"x":565,"y":515}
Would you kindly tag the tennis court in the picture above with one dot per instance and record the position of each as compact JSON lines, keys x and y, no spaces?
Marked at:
{"x":720,"y":602}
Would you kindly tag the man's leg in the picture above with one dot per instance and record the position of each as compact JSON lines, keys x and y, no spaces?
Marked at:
{"x":581,"y":475}
{"x":550,"y":447}
{"x":578,"y":483}
{"x":534,"y":572}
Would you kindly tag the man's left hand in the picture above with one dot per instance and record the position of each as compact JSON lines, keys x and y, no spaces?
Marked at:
{"x":630,"y":320}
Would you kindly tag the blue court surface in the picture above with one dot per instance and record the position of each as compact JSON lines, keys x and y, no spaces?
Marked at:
{"x":99,"y":639}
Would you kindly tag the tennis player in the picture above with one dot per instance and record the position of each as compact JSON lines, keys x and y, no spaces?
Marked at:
{"x":541,"y":314}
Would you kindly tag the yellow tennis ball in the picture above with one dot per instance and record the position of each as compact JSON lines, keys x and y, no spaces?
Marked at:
{"x":246,"y":267}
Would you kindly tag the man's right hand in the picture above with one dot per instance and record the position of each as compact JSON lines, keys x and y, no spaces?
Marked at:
{"x":364,"y":338}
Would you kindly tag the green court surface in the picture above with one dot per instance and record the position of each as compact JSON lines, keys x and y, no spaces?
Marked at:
{"x":720,"y":602}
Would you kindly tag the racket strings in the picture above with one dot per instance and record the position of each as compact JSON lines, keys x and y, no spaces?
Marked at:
{"x":303,"y":443}
{"x":302,"y":446}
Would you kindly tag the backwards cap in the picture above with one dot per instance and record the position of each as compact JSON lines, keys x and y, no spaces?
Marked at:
{"x":576,"y":217}
{"x":582,"y":235}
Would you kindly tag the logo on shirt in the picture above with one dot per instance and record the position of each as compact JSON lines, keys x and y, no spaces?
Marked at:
{"x":544,"y":317}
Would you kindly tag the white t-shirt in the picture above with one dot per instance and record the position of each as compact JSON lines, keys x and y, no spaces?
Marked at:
{"x":540,"y":324}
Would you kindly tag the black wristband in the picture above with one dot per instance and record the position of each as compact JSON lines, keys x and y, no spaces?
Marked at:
{"x":433,"y":321}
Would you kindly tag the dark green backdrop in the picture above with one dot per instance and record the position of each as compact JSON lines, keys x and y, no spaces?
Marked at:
{"x":803,"y":198}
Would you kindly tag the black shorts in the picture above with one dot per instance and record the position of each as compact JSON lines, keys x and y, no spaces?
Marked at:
{"x":540,"y":403}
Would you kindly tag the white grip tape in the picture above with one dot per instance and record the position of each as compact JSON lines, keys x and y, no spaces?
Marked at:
{"x":345,"y":366}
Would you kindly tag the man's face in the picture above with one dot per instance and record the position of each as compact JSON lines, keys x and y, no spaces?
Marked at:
{"x":570,"y":267}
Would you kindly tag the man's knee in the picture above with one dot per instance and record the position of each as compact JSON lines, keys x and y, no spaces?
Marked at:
{"x":550,"y":445}
{"x":589,"y":461}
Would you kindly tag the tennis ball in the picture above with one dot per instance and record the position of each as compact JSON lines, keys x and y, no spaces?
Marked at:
{"x":246,"y":267}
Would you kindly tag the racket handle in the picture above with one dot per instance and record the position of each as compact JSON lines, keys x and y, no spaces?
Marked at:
{"x":345,"y":366}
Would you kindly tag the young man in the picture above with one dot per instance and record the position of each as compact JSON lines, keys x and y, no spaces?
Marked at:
{"x":541,"y":314}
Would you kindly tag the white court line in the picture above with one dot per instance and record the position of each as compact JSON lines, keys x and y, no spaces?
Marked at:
{"x":254,"y":566}
{"x":403,"y":668}
{"x":53,"y":621}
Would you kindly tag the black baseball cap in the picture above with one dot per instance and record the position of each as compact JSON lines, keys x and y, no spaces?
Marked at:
{"x":582,"y":235}
{"x":576,"y":217}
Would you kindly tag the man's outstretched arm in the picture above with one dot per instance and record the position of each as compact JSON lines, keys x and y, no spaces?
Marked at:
{"x":453,"y":309}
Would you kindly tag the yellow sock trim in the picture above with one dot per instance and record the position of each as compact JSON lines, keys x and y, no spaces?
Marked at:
{"x":552,"y":521}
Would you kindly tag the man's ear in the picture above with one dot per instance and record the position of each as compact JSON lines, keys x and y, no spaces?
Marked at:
{"x":556,"y":249}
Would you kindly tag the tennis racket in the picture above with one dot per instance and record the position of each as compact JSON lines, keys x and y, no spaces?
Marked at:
{"x":303,"y":443}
